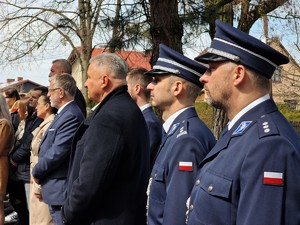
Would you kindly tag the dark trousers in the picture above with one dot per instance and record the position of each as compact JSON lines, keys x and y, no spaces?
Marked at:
{"x":17,"y":198}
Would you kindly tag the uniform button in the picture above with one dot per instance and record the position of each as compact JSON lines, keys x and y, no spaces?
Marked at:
{"x":191,"y":207}
{"x":197,"y":182}
{"x":210,"y":188}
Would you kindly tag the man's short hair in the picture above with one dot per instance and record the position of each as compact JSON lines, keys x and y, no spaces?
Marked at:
{"x":137,"y":76}
{"x":66,"y":82}
{"x":117,"y":66}
{"x":43,"y":89}
{"x":66,"y":66}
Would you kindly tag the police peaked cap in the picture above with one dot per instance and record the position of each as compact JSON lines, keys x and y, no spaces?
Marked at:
{"x":230,"y":43}
{"x":173,"y":62}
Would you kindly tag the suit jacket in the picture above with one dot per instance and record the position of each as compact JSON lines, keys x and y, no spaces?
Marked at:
{"x":54,"y":154}
{"x":174,"y":172}
{"x":110,"y":165}
{"x":251,"y":176}
{"x":155,"y":132}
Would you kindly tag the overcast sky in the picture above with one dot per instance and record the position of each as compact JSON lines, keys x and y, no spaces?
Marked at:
{"x":34,"y":69}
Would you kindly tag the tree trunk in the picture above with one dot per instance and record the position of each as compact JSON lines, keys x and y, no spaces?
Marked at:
{"x":166,"y":26}
{"x":219,"y":122}
{"x":86,"y":35}
{"x":115,"y":41}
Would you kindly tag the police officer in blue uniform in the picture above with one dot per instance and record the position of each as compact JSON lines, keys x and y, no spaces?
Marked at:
{"x":251,"y":176}
{"x":137,"y":88}
{"x":174,"y":89}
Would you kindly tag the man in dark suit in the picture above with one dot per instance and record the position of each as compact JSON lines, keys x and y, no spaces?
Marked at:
{"x":54,"y":152}
{"x":109,"y":169}
{"x":174,"y":89}
{"x":137,"y":88}
{"x":251,"y":176}
{"x":60,"y":66}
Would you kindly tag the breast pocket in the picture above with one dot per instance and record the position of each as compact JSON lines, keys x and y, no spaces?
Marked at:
{"x":213,"y":199}
{"x":51,"y":135}
{"x":216,"y":184}
{"x":158,"y":186}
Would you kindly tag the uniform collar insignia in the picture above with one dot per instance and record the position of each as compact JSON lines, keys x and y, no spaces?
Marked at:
{"x":242,"y":127}
{"x":173,"y":128}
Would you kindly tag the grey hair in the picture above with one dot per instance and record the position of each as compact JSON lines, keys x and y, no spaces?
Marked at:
{"x":4,"y":111}
{"x":66,"y":82}
{"x":116,"y":66}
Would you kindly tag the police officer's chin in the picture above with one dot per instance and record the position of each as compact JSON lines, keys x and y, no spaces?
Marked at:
{"x":215,"y":104}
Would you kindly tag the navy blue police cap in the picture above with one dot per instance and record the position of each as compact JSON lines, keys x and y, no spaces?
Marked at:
{"x":172,"y":62}
{"x":230,"y":43}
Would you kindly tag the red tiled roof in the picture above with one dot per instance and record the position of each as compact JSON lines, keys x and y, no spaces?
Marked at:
{"x":133,"y":58}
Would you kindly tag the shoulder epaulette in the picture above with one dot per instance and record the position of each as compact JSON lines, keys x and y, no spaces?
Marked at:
{"x":266,"y":126}
{"x":183,"y":129}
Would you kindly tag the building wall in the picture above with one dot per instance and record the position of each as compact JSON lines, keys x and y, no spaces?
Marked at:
{"x":77,"y":74}
{"x":288,"y":88}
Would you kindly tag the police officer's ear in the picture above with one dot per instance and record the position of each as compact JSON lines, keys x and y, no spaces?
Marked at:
{"x":239,"y":74}
{"x":137,"y":88}
{"x":178,"y":87}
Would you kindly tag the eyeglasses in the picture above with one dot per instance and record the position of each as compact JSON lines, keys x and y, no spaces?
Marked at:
{"x":53,"y":89}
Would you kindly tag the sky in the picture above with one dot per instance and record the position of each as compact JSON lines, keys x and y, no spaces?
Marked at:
{"x":35,"y":70}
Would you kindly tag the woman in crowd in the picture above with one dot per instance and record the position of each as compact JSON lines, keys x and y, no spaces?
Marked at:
{"x":12,"y":99}
{"x":38,"y":210}
{"x":22,"y":111}
{"x":15,"y":187}
{"x":6,"y":144}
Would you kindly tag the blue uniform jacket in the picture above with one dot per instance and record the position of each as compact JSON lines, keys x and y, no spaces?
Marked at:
{"x":155,"y":132}
{"x":175,"y":169}
{"x":251,"y":176}
{"x":54,"y":154}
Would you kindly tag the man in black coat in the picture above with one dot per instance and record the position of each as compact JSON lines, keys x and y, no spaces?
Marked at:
{"x":60,"y":66}
{"x":109,"y":169}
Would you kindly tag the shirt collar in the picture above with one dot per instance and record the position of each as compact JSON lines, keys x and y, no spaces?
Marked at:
{"x":95,"y":107}
{"x":143,"y":107}
{"x":246,"y":109}
{"x":171,"y":119}
{"x":61,"y":108}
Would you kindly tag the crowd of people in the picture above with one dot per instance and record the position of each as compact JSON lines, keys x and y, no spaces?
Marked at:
{"x":124,"y":165}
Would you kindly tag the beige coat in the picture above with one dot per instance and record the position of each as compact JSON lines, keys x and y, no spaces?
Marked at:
{"x":38,"y":210}
{"x":6,"y":144}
